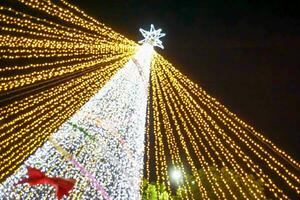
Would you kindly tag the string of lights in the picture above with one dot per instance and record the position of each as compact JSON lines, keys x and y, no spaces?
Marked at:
{"x":207,"y":134}
{"x":111,"y":125}
{"x":268,"y":158}
{"x":184,"y":101}
{"x":114,"y":105}
{"x":36,"y":129}
{"x":53,"y":61}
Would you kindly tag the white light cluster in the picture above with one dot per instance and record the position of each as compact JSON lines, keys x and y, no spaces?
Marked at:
{"x":176,"y":175}
{"x":115,"y":117}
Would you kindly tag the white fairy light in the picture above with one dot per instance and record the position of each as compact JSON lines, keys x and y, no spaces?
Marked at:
{"x":115,"y":117}
{"x":176,"y":175}
{"x":152,"y":36}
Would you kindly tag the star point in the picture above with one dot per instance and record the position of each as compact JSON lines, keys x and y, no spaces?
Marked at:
{"x":152,"y":36}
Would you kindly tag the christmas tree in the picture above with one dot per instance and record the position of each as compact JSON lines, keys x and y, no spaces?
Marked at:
{"x":82,"y":102}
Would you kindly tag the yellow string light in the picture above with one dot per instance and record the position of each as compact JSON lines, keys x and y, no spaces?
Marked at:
{"x":203,"y":131}
{"x":50,"y":68}
{"x":54,"y":63}
{"x":207,"y":124}
{"x":264,"y":158}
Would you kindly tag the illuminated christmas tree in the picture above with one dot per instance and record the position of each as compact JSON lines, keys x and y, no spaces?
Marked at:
{"x":105,"y":137}
{"x":80,"y":101}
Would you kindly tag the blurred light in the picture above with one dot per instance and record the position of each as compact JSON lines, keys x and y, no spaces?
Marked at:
{"x":176,"y":175}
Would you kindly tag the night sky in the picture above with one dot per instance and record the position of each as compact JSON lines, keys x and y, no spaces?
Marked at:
{"x":245,"y":54}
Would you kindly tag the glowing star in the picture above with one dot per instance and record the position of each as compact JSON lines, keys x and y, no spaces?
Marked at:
{"x":152,"y":37}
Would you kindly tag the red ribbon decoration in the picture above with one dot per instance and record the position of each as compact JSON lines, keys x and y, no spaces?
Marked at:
{"x":62,"y":185}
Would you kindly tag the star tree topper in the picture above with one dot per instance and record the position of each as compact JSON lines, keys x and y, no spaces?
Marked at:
{"x":152,"y":37}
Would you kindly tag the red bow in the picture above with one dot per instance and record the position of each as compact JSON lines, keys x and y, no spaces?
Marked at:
{"x":62,"y":185}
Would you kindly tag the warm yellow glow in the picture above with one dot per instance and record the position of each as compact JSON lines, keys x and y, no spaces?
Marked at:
{"x":200,"y":130}
{"x":52,"y":65}
{"x":50,"y":69}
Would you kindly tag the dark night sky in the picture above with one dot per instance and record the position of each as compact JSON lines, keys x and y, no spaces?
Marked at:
{"x":243,"y":53}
